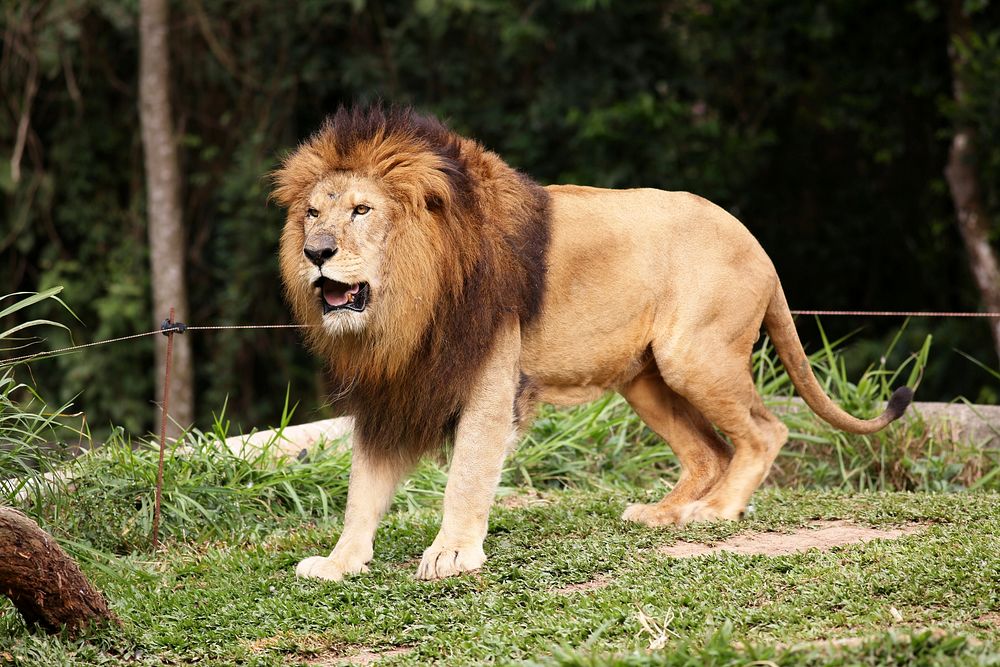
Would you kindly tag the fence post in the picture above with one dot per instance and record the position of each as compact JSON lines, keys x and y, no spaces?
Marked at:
{"x":168,"y":330}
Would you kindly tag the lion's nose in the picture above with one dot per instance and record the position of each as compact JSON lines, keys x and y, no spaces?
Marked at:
{"x":320,"y":249}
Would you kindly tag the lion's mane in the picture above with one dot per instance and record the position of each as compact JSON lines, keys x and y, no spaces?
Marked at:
{"x":467,"y":249}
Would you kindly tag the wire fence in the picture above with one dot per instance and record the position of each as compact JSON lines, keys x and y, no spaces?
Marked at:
{"x":894,"y":313}
{"x":168,"y":327}
{"x":176,"y":327}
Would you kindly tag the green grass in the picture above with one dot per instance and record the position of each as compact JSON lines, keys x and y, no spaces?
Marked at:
{"x":24,"y":420}
{"x":220,"y":603}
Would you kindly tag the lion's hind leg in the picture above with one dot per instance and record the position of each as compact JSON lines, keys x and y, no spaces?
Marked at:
{"x":702,"y":454}
{"x":725,"y":394}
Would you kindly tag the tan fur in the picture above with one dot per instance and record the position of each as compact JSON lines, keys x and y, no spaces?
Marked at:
{"x":557,"y":296}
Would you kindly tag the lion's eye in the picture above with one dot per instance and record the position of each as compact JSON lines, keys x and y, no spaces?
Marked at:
{"x":312,"y":213}
{"x":361,"y":209}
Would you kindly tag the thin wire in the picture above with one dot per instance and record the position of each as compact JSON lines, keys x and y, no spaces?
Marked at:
{"x":891,"y":313}
{"x":218,"y":327}
{"x":72,"y":348}
{"x":223,"y":327}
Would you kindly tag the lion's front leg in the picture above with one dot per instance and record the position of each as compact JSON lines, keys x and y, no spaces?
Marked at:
{"x":369,"y":494}
{"x":486,"y":431}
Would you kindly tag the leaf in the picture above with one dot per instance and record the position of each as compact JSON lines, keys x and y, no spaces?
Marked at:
{"x":28,"y":325}
{"x":31,"y":300}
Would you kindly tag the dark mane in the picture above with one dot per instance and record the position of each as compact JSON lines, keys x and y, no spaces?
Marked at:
{"x":356,"y":127}
{"x":493,"y":226}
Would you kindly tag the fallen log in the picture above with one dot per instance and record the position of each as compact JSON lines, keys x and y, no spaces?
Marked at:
{"x":46,"y":586}
{"x":959,"y":422}
{"x":282,"y":443}
{"x":291,"y":441}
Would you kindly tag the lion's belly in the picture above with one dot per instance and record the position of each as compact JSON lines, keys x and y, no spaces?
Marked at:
{"x":572,"y":361}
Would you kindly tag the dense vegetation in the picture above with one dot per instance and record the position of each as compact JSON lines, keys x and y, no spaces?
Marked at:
{"x":823,"y":125}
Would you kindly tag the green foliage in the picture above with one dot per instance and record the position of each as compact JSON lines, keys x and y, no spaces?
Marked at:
{"x":26,"y":301}
{"x":820,"y":124}
{"x":209,"y":493}
{"x":718,"y":650}
{"x":24,"y":421}
{"x":604,"y":440}
{"x":910,"y":454}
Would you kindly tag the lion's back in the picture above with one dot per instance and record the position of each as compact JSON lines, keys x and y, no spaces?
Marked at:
{"x":621,"y":260}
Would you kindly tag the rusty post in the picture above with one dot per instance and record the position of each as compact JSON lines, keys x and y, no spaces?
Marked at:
{"x":169,"y":332}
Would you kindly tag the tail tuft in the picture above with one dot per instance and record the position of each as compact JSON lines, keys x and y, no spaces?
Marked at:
{"x":898,"y":402}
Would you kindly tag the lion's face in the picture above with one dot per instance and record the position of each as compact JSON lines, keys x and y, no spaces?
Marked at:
{"x":376,"y":243}
{"x":333,"y":251}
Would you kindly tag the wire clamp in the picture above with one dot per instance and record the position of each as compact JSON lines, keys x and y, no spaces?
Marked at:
{"x":167,"y":327}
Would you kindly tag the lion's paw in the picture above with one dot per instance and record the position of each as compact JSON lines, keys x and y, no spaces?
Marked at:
{"x":441,"y":562}
{"x":701,"y":510}
{"x":330,"y":568}
{"x":652,"y":515}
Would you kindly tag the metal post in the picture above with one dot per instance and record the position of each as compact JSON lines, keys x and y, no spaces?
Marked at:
{"x":169,"y":332}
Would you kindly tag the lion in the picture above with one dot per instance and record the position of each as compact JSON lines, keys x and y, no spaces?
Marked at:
{"x":449,"y":294}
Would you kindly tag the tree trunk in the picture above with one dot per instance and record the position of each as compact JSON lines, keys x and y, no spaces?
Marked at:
{"x":166,"y":230}
{"x":963,"y":180}
{"x":45,"y":585}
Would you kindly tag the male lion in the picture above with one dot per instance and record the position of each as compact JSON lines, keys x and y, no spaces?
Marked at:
{"x":449,"y":294}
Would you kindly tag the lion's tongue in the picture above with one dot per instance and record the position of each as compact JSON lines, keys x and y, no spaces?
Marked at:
{"x":338,"y":294}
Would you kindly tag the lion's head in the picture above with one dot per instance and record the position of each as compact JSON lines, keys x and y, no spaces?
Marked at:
{"x":364,"y":245}
{"x":405,"y":245}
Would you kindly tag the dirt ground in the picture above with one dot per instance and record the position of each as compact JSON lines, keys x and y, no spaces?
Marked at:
{"x":821,"y":535}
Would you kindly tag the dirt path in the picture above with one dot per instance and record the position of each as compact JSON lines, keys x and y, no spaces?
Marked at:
{"x":821,"y":535}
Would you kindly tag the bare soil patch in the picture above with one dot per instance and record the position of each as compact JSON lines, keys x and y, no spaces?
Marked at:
{"x":309,"y":642}
{"x":821,"y":535}
{"x":522,"y":500}
{"x":318,"y":650}
{"x":359,"y":656}
{"x":595,"y":584}
{"x":261,"y":645}
{"x":990,"y":619}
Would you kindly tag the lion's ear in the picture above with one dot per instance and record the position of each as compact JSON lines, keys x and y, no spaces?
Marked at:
{"x":283,"y":190}
{"x":292,"y":180}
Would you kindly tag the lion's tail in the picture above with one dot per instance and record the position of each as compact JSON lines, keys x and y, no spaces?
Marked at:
{"x":781,"y":328}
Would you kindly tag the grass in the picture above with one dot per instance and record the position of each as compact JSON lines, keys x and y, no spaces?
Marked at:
{"x":221,"y":603}
{"x":24,"y":420}
{"x":222,"y":590}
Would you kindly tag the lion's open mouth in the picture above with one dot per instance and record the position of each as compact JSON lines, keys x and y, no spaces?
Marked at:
{"x":336,"y":295}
